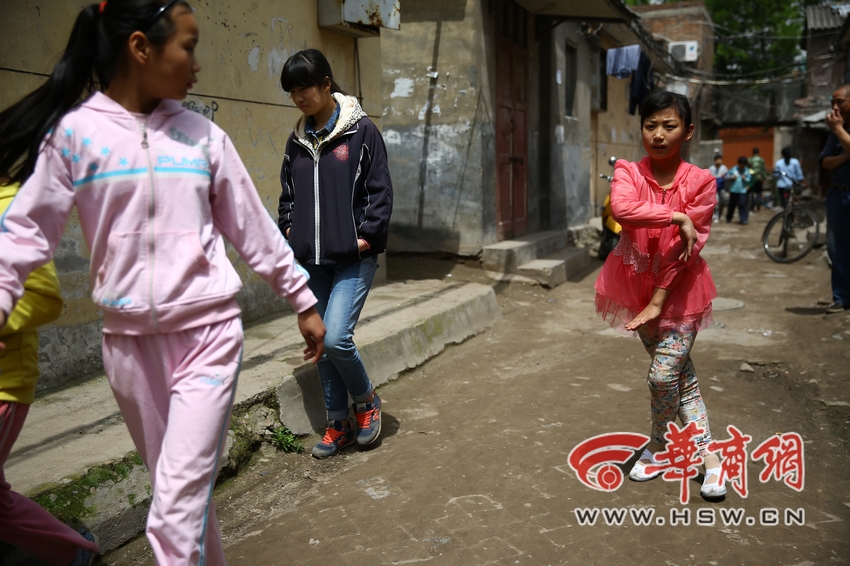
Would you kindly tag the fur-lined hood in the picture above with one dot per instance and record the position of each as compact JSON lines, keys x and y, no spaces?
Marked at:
{"x":350,"y":113}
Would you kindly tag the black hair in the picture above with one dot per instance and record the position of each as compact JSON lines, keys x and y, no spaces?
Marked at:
{"x":743,"y":160}
{"x":786,"y":153}
{"x":755,"y":151}
{"x":95,"y":52}
{"x":662,"y":100}
{"x":307,"y":68}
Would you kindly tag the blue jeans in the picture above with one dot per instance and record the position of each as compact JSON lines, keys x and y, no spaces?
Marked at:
{"x":838,"y":242}
{"x":341,"y":291}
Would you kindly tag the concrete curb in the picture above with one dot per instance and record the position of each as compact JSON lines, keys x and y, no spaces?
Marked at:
{"x":407,"y":324}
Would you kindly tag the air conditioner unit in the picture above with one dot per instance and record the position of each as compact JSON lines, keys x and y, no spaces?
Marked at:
{"x":360,"y":18}
{"x":684,"y":50}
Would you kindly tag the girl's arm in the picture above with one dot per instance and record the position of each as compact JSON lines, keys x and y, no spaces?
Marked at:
{"x":699,"y":209}
{"x":32,"y":226}
{"x":626,"y":205}
{"x":379,"y":188}
{"x":652,"y":310}
{"x":241,"y":217}
{"x":681,"y":253}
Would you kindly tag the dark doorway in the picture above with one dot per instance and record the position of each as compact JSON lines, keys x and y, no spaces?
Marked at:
{"x":511,"y":119}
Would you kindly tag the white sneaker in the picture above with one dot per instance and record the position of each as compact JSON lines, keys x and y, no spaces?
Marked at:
{"x":639,"y":470}
{"x":716,"y":488}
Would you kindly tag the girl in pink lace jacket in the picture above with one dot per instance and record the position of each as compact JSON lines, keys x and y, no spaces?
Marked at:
{"x":655,"y":283}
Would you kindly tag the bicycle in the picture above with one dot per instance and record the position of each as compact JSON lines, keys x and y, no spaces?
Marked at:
{"x":792,"y":233}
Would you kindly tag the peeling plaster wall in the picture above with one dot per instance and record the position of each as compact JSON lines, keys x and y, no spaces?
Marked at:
{"x":439,"y":124}
{"x":570,"y":149}
{"x":242,"y":50}
{"x":438,"y":127}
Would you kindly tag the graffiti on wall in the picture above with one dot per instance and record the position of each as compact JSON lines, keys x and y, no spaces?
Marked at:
{"x":195,"y":104}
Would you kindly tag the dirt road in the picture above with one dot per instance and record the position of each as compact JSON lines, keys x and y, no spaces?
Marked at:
{"x":473,"y":467}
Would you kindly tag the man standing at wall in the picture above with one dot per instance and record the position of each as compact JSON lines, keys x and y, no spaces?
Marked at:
{"x":759,"y":176}
{"x":836,"y":158}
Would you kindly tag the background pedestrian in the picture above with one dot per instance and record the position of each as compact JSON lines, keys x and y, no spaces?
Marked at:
{"x":655,"y":283}
{"x":759,"y":173}
{"x":787,"y":171}
{"x":335,"y":206}
{"x":157,"y":188}
{"x":738,"y":181}
{"x":23,"y":522}
{"x":836,"y":157}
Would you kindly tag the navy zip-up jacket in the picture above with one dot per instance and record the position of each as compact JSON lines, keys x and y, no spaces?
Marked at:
{"x":337,"y":193}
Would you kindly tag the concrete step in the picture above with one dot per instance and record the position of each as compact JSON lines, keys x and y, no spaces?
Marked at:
{"x":507,"y":256}
{"x":556,"y":268}
{"x":78,"y":431}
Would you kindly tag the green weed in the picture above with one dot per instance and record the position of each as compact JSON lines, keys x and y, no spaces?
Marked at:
{"x":283,"y":439}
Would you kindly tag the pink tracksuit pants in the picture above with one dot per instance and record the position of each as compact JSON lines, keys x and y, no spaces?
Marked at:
{"x":176,"y":392}
{"x":23,"y":522}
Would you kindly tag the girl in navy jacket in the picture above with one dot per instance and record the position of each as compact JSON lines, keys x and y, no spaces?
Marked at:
{"x":334,"y":210}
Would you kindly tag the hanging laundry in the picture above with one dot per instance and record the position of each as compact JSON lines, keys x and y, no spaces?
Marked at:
{"x":622,"y":61}
{"x":641,"y":83}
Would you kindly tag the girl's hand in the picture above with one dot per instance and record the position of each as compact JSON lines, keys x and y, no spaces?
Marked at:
{"x":313,"y":330}
{"x":651,"y":312}
{"x":362,"y":245}
{"x":687,"y":233}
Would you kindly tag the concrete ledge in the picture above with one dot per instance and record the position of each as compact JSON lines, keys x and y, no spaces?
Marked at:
{"x":401,"y":342}
{"x":507,"y":256}
{"x":75,"y":456}
{"x":547,"y":272}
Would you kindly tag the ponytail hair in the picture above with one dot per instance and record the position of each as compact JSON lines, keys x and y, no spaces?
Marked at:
{"x":786,"y":153}
{"x":307,"y":68}
{"x":95,"y":52}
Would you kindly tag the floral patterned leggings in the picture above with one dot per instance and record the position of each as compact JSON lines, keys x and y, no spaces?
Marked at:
{"x":673,"y":383}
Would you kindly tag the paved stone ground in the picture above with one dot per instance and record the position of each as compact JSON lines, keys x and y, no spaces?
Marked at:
{"x":473,"y":465}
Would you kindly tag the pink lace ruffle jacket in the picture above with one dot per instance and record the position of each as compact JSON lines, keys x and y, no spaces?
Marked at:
{"x":648,"y":253}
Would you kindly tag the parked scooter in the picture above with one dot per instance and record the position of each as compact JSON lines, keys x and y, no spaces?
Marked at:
{"x":610,"y":229}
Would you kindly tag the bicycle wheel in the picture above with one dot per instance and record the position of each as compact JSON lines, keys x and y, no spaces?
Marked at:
{"x":790,"y":235}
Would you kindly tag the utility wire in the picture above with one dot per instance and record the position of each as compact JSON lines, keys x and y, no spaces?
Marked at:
{"x":711,"y":82}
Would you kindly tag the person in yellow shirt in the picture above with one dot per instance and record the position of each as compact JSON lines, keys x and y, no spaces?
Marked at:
{"x":24,"y":523}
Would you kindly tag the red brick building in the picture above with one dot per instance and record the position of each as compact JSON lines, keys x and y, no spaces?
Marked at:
{"x":684,"y":24}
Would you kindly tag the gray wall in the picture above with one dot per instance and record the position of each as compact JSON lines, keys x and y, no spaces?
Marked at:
{"x":569,"y":137}
{"x":438,"y":127}
{"x":439,"y":122}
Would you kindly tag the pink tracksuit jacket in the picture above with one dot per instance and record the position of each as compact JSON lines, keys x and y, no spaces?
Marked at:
{"x":155,"y":194}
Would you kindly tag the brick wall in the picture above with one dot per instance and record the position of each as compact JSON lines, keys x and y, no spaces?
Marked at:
{"x":683,"y":21}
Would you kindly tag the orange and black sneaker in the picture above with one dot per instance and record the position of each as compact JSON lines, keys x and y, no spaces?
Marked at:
{"x":368,"y":420}
{"x":336,"y":437}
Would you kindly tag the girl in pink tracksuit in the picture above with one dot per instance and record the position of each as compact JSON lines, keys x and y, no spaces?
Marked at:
{"x":157,"y":189}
